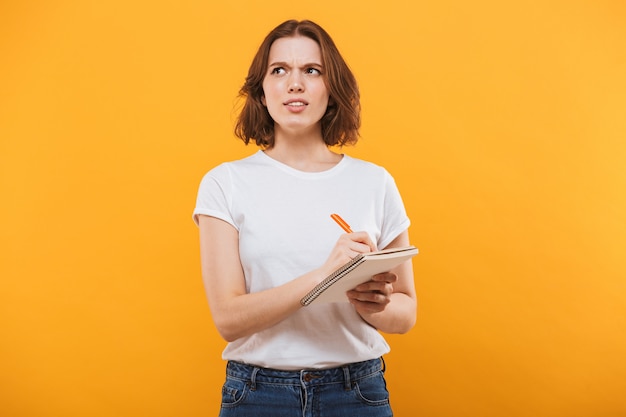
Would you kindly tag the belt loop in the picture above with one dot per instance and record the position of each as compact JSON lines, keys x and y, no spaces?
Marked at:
{"x":346,"y":378}
{"x":253,"y":378}
{"x":384,"y":365}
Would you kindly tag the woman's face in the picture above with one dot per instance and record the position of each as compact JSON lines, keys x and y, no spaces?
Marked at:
{"x":295,"y":93}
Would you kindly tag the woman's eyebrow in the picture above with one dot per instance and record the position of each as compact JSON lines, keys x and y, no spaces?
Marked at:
{"x":284,"y":64}
{"x":278,"y":64}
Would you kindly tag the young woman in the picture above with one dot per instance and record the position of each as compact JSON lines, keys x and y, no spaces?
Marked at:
{"x":266,"y":239}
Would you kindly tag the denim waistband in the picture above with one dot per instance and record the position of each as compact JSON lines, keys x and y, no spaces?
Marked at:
{"x":345,"y":374}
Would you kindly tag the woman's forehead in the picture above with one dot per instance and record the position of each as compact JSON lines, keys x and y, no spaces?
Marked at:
{"x":299,"y":49}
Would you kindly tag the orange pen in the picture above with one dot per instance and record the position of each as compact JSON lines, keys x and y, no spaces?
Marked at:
{"x":341,"y":222}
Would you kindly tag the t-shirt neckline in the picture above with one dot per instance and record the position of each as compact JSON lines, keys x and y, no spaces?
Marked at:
{"x":304,"y":174}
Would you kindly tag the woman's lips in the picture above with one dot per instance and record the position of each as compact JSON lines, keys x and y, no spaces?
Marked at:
{"x":296,"y":106}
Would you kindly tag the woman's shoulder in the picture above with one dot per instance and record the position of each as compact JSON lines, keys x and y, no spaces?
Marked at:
{"x":244,"y":163}
{"x":365,"y":167}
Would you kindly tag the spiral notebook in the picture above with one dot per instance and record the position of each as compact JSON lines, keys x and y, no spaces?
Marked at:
{"x":357,"y":271}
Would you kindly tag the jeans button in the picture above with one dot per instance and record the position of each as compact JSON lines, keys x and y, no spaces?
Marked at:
{"x":308,"y":377}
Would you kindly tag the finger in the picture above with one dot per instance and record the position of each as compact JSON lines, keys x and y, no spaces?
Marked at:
{"x":360,"y":247}
{"x":363,"y":238}
{"x":375,"y":287}
{"x":386,"y":277}
{"x":351,"y":242}
{"x":372,"y":303}
{"x":380,"y":297}
{"x":370,"y":286}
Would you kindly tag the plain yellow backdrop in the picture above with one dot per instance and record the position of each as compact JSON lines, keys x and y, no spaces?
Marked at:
{"x":504,"y":124}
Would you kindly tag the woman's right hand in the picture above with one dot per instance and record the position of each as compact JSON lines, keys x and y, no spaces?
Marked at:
{"x":347,"y":247}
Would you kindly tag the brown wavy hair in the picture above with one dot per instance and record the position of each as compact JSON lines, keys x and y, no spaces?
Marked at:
{"x":340,"y":123}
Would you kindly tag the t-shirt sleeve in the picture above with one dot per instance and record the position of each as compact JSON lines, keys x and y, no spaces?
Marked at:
{"x":214,"y":196}
{"x":395,"y":219}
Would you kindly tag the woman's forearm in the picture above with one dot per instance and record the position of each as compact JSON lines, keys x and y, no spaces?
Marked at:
{"x":398,"y":317}
{"x":240,"y":315}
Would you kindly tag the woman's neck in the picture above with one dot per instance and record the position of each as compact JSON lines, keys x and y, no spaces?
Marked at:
{"x":304,"y":154}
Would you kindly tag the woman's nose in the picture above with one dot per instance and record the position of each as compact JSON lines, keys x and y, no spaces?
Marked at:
{"x":295,"y":84}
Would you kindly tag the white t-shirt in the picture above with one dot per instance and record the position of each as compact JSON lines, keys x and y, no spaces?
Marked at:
{"x":285,"y":230}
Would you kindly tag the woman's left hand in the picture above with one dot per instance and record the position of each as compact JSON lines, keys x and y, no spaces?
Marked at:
{"x":373,"y":296}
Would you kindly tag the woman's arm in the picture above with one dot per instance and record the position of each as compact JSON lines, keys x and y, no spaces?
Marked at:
{"x":237,"y":313}
{"x":388,"y":302}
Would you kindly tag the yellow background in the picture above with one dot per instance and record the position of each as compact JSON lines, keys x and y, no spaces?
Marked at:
{"x":504,"y":124}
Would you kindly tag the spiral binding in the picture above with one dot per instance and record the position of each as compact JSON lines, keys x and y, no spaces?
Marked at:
{"x":331,"y":279}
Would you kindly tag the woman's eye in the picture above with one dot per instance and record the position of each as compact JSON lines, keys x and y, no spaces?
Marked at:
{"x":313,"y":71}
{"x":278,"y":70}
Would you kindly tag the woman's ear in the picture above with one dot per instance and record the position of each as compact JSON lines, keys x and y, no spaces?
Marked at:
{"x":263,"y":100}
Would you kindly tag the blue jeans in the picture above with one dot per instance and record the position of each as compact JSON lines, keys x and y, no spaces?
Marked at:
{"x":356,"y":389}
